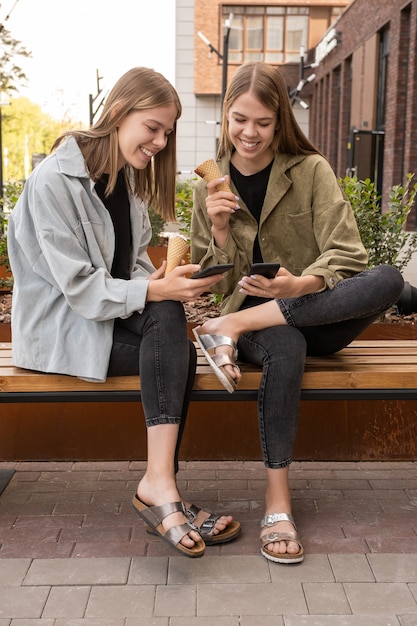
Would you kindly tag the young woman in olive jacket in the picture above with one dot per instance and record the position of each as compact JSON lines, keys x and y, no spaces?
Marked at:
{"x":285,"y":206}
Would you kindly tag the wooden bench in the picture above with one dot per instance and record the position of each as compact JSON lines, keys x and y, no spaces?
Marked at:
{"x":365,"y":370}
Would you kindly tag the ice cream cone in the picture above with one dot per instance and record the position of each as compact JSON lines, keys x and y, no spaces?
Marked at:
{"x":209,"y":170}
{"x":177,"y":249}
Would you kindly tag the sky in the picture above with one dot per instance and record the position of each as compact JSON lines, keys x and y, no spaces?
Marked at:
{"x":71,"y":39}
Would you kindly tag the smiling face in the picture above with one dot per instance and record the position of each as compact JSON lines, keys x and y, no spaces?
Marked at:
{"x":251,"y":129}
{"x":143,"y":133}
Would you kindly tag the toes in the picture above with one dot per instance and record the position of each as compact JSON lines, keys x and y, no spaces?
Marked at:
{"x":282,"y":547}
{"x":221,"y":524}
{"x":191,"y":539}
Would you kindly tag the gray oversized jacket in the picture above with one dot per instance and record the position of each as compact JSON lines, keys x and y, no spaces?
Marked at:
{"x":306,"y":224}
{"x":61,"y":248}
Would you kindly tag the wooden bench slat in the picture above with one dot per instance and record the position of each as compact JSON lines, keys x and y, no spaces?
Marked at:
{"x":387,"y":364}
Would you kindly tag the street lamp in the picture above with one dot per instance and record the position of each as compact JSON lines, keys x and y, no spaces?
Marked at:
{"x":92,"y":99}
{"x":294,"y":94}
{"x":225,"y":56}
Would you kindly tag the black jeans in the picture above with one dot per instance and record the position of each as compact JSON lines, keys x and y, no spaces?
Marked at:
{"x":318,"y":324}
{"x":155,"y":345}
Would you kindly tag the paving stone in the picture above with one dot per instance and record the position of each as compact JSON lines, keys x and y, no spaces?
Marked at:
{"x":145,"y":571}
{"x":22,"y":602}
{"x":149,"y":621}
{"x":121,"y":601}
{"x":326,"y":598}
{"x":29,"y":622}
{"x":67,"y":602}
{"x":341,"y":620}
{"x":78,"y":572}
{"x":34,"y":549}
{"x":351,"y":568}
{"x":315,"y":567}
{"x":384,"y":598}
{"x":94,"y":622}
{"x":13,"y":571}
{"x":408,"y":620}
{"x":175,"y":600}
{"x":400,"y":568}
{"x":109,"y":549}
{"x":262,"y":620}
{"x":250,"y":599}
{"x":219,"y":569}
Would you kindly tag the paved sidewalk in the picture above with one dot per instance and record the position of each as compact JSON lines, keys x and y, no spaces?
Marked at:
{"x":358,"y":522}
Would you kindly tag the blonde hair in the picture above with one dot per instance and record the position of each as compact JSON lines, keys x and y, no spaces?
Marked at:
{"x":138,"y":89}
{"x":266,"y":83}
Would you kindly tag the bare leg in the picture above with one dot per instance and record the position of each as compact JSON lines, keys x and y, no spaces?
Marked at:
{"x":278,"y":500}
{"x":158,"y":485}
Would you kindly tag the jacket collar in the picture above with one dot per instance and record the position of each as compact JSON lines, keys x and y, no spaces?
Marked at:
{"x":70,"y":159}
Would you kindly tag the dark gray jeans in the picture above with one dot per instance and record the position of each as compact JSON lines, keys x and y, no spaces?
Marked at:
{"x":155,"y":345}
{"x":318,"y":324}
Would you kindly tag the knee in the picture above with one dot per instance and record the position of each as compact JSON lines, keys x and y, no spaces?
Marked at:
{"x":169,"y":315}
{"x":288,"y":345}
{"x":392,"y":280}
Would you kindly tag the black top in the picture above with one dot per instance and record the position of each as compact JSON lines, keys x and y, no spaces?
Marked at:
{"x":118,"y":205}
{"x":252,"y":190}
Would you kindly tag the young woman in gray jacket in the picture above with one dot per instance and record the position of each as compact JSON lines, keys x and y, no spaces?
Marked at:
{"x":87,"y":300}
{"x":285,"y":206}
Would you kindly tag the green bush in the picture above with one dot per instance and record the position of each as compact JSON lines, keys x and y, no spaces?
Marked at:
{"x":383,"y":232}
{"x":157,"y":225}
{"x":184,"y":206}
{"x":11,"y":193}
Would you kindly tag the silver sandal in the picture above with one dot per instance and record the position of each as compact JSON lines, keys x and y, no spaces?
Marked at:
{"x":274,"y":537}
{"x":208,"y":344}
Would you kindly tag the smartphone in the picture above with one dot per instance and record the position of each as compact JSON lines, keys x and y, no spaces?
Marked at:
{"x":212,"y":270}
{"x":268,"y":270}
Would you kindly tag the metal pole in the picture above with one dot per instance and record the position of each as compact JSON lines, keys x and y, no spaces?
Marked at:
{"x":225,"y":55}
{"x":225,"y":62}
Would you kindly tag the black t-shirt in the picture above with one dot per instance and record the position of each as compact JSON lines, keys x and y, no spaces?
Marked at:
{"x":252,"y":190}
{"x":118,"y":206}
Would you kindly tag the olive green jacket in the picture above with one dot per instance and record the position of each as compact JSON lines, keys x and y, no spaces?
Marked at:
{"x":306,"y":224}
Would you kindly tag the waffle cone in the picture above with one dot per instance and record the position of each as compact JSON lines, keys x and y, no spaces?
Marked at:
{"x":209,"y":170}
{"x":177,"y":249}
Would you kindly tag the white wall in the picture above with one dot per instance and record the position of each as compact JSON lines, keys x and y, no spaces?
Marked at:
{"x":196,"y":140}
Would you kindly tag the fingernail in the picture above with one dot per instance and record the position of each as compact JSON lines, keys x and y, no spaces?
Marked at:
{"x":237,"y":198}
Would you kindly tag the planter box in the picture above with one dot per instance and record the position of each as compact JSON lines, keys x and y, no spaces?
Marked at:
{"x":5,"y":332}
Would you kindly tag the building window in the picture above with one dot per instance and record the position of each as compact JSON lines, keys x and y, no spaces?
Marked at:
{"x":382,"y":78}
{"x":272,"y":34}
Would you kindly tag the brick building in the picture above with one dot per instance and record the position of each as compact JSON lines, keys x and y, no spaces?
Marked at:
{"x":363,"y":113}
{"x":272,"y":30}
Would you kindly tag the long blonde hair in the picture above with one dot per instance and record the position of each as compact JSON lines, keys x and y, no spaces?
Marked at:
{"x":138,"y":89}
{"x":268,"y":85}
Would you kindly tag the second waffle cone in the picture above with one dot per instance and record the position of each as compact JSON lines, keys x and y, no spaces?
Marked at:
{"x":177,"y":249}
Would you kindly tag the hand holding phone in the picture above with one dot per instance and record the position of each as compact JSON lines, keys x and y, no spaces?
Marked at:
{"x":212,"y":270}
{"x":269,"y":270}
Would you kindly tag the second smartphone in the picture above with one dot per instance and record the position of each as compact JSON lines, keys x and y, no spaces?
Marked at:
{"x":269,"y":270}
